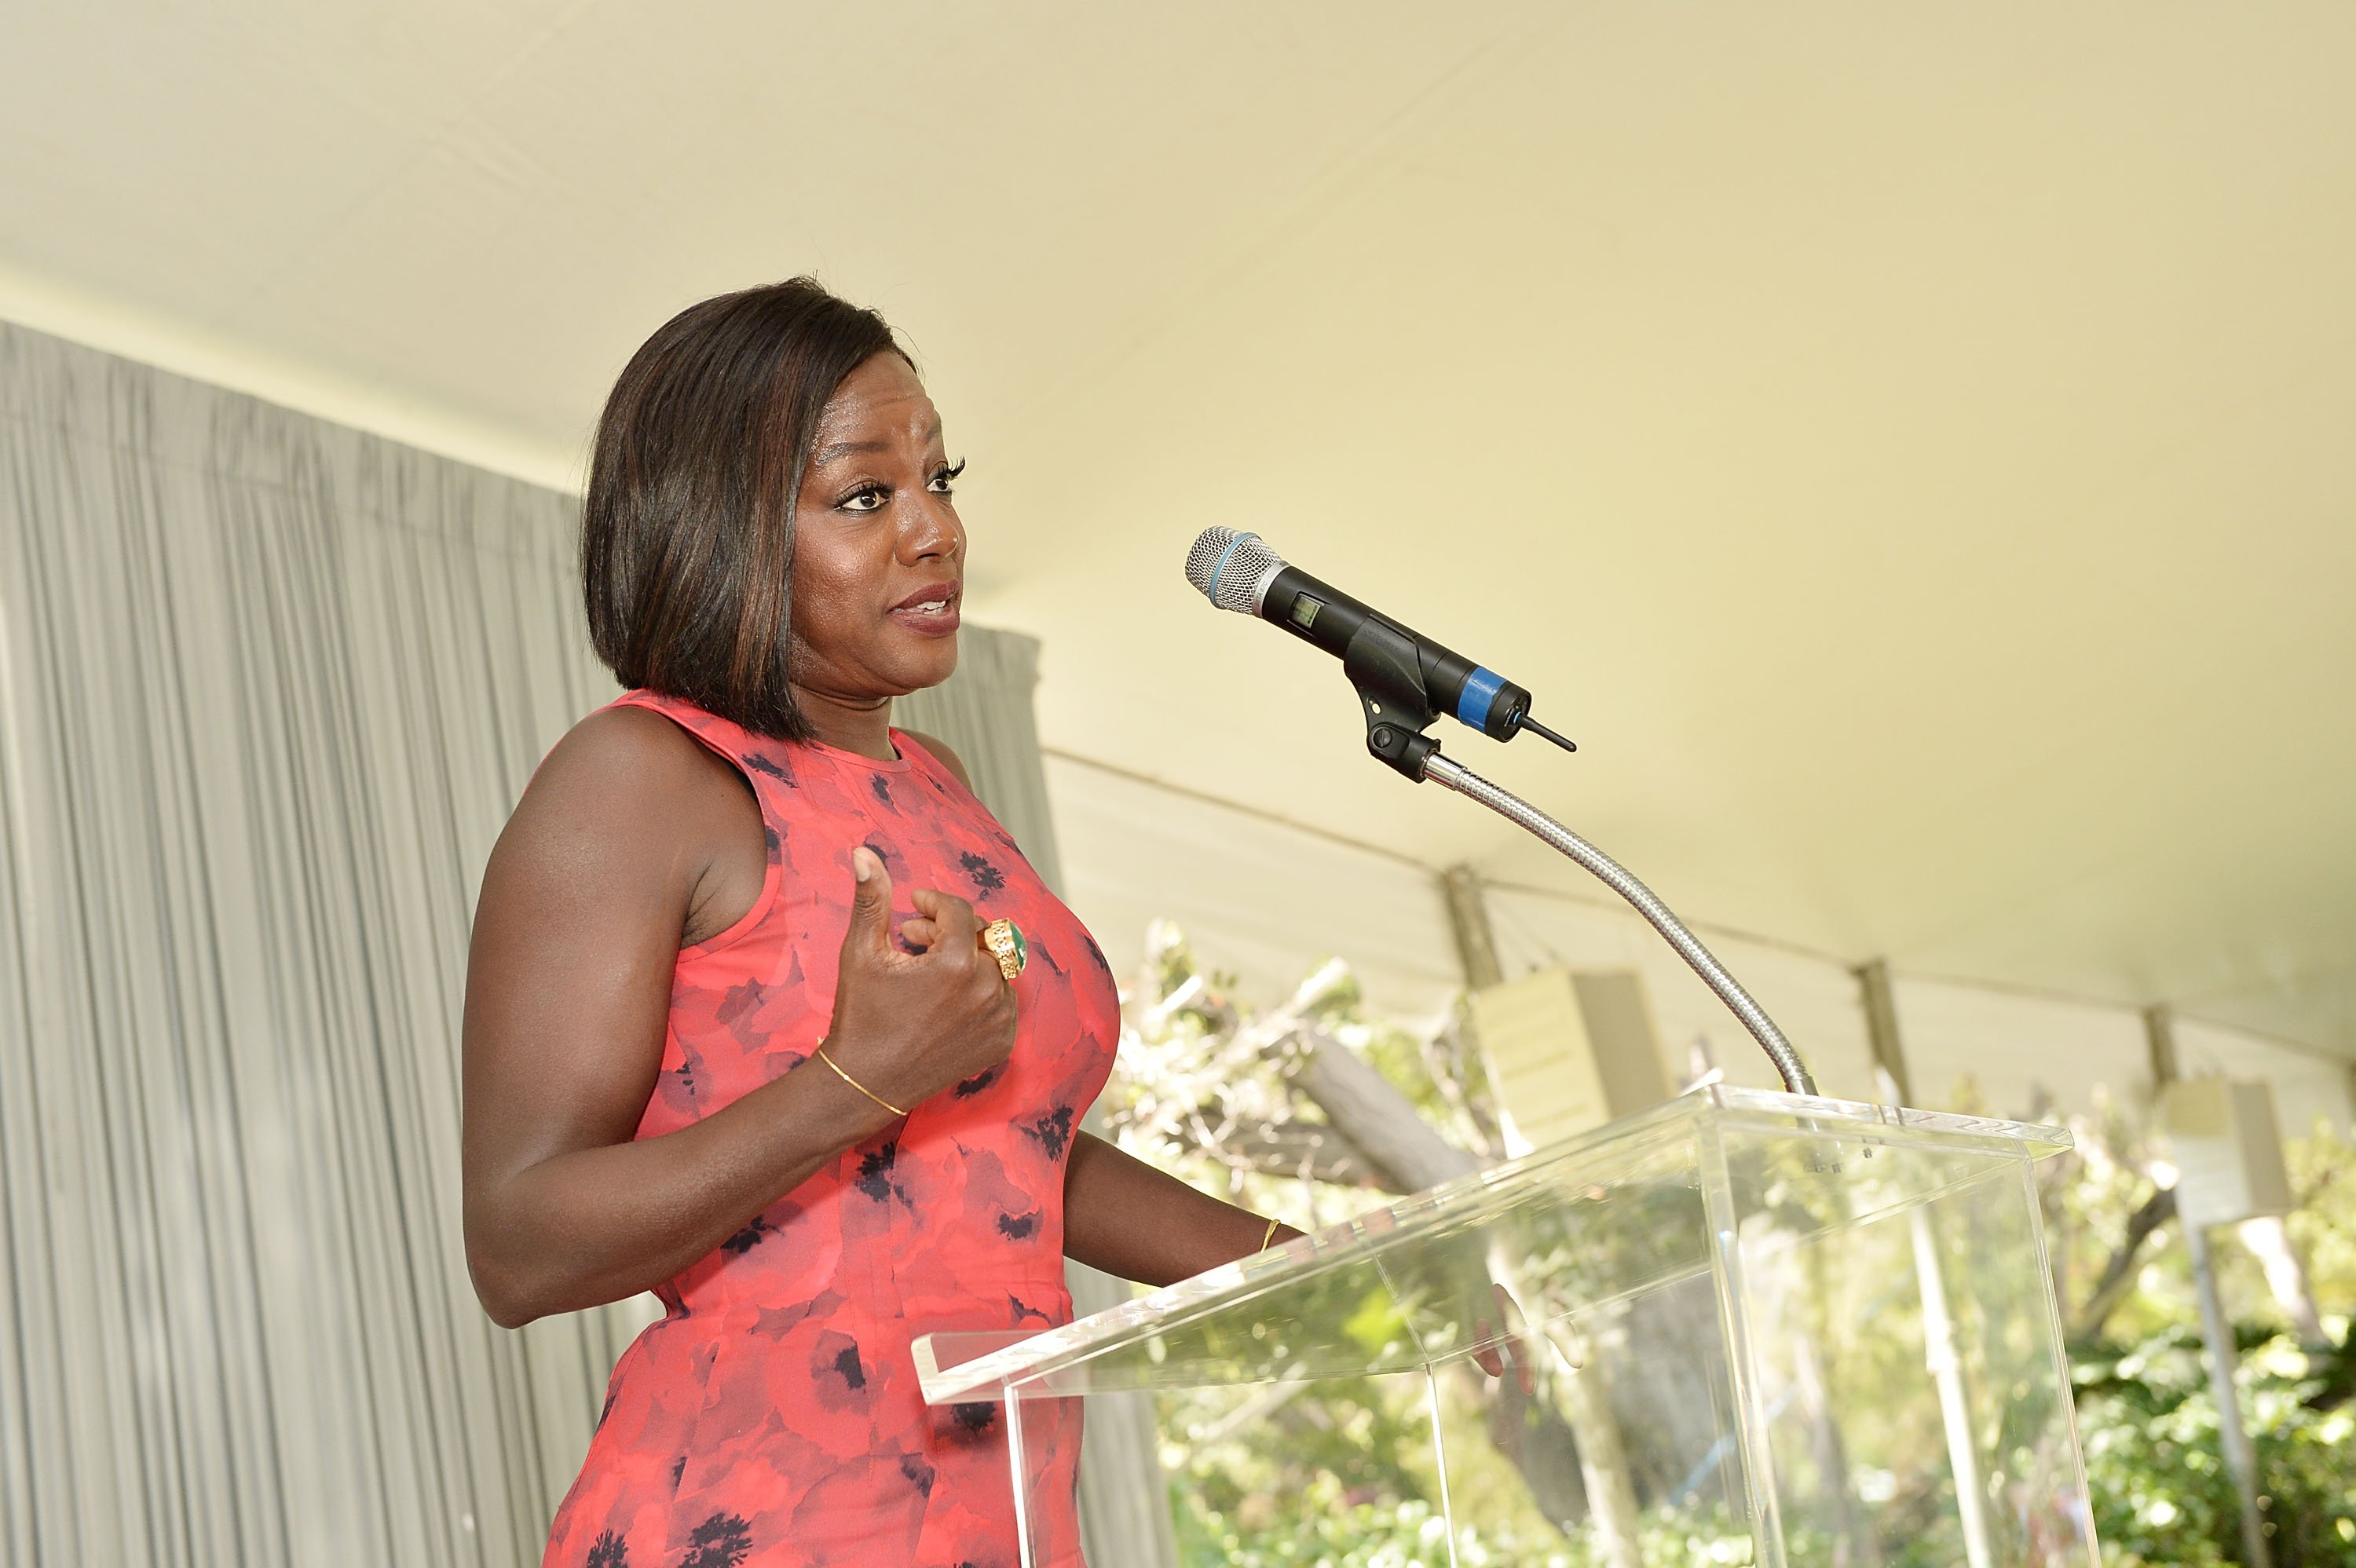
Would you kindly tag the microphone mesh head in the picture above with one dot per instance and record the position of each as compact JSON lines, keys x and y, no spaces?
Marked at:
{"x":1228,"y":568}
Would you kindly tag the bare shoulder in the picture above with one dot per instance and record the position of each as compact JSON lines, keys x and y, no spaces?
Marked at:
{"x":626,"y":793}
{"x":622,"y":761}
{"x":949,"y":760}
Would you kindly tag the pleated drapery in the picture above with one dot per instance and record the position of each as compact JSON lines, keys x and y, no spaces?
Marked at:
{"x":269,"y":688}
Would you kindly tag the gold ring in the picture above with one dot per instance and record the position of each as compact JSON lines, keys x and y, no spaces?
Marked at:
{"x":1004,"y":939}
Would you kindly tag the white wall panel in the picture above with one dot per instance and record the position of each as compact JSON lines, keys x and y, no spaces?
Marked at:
{"x":2013,"y":1047}
{"x":1815,"y":1003}
{"x":2307,"y":1087}
{"x":1267,"y":900}
{"x":1261,"y":899}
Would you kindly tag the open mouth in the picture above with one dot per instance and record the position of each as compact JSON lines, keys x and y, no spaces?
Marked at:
{"x":931,"y":610}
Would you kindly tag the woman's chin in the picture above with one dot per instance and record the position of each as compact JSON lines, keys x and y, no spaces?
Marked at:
{"x":926,"y":663}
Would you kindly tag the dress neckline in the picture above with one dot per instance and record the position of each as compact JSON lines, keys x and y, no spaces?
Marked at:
{"x":899,"y":765}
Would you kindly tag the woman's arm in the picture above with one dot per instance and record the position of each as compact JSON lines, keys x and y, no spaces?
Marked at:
{"x":617,"y":847}
{"x":1122,"y":1216}
{"x":625,"y":829}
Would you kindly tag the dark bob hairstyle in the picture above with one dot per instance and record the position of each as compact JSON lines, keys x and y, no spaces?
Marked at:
{"x":687,"y":538}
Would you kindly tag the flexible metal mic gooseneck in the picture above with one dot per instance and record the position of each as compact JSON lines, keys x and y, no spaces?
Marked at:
{"x":1235,"y":570}
{"x":1451,"y":774}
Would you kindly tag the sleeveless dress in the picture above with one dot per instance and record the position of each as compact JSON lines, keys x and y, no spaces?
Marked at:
{"x":771,"y":1418}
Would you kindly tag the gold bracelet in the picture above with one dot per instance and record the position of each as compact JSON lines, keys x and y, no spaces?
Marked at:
{"x":1268,"y":1236}
{"x":855,"y":1083}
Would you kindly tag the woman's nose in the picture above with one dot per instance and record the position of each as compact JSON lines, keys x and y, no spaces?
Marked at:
{"x":932,"y":531}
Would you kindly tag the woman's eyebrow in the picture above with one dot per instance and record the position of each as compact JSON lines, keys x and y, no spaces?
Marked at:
{"x":835,"y":449}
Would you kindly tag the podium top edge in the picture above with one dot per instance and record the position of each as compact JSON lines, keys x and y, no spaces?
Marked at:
{"x":1717,"y":1108}
{"x":2037,"y":1138}
{"x":1770,"y":1111}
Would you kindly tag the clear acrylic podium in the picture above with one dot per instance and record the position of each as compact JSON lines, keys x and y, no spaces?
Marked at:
{"x":1781,"y":1331}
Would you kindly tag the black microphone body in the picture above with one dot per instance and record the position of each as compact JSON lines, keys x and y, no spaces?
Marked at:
{"x":1403,"y":679}
{"x":1446,"y":681}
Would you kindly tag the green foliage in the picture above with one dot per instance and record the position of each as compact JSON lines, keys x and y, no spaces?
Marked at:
{"x":1342,"y":1474}
{"x":2155,"y":1464}
{"x":1336,"y":1529}
{"x":2147,"y":1417}
{"x":1332,"y":1531}
{"x":2323,"y":1227}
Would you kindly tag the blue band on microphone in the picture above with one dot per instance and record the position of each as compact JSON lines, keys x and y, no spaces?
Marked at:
{"x":1212,"y":593}
{"x":1481,"y":688}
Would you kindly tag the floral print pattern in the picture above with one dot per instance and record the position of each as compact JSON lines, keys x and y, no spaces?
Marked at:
{"x":771,"y":1419}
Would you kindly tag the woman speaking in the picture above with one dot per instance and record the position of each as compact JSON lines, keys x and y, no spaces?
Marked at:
{"x":766,"y":1013}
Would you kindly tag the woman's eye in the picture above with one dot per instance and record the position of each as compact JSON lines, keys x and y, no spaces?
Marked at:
{"x":868,"y":500}
{"x":944,"y":483}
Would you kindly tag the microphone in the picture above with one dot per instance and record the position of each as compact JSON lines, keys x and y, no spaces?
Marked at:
{"x":1404,"y":678}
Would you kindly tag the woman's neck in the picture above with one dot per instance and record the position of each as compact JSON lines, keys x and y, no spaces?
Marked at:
{"x":861,"y":726}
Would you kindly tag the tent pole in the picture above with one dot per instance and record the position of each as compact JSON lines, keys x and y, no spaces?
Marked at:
{"x":2216,"y":1328}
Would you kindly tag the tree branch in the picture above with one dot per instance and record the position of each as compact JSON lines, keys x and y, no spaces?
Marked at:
{"x":2118,"y":1275}
{"x":1404,"y":1152}
{"x":1292,"y":1148}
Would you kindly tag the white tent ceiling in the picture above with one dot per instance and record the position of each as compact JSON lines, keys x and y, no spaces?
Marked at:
{"x":1908,"y":447}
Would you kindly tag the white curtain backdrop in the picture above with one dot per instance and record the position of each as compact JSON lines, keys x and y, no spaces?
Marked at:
{"x":269,"y":688}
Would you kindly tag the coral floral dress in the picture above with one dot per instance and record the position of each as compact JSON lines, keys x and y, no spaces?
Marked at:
{"x":771,"y":1419}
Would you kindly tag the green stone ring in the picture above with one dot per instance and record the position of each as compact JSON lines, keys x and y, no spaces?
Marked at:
{"x":1008,"y":945}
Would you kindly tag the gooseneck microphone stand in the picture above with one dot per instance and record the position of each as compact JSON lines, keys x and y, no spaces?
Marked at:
{"x":1391,"y":692}
{"x":1402,"y":679}
{"x":1450,"y":774}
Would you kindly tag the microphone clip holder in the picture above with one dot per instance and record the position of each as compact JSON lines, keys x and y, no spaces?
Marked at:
{"x":1383,"y":667}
